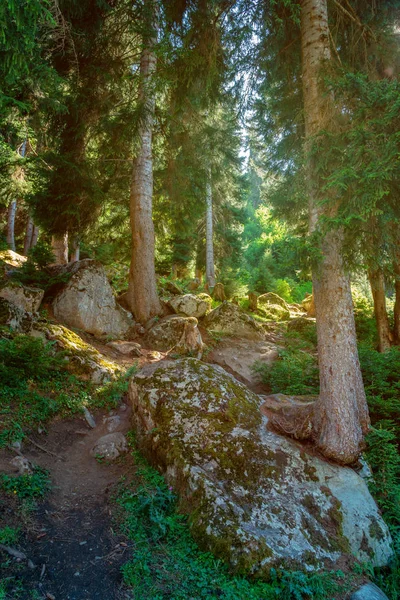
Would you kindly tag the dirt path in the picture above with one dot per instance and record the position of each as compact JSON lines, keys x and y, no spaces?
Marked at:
{"x":70,"y":538}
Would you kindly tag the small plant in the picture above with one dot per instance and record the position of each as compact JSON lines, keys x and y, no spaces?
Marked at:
{"x":35,"y":485}
{"x":9,"y":535}
{"x":295,"y":372}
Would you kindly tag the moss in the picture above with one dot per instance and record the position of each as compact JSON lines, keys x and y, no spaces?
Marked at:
{"x":375,"y":530}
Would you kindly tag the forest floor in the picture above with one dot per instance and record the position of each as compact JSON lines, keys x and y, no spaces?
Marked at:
{"x":72,"y":546}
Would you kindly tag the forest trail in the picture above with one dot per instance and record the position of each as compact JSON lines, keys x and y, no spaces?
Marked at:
{"x":70,"y":538}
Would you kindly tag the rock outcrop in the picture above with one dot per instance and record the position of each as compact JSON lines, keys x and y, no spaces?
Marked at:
{"x":87,"y":302}
{"x":191,"y":305}
{"x":14,"y":317}
{"x":177,"y":334}
{"x":274,"y":307}
{"x":82,"y":360}
{"x":256,"y":499}
{"x":26,"y":298}
{"x":229,"y":319}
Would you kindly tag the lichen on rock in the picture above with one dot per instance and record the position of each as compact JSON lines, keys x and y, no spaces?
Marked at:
{"x":255,"y":498}
{"x":229,"y":319}
{"x":191,"y":305}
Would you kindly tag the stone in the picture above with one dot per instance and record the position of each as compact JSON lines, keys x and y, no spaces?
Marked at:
{"x":256,"y":499}
{"x":26,"y":298}
{"x":112,"y":423}
{"x":229,"y":319}
{"x":110,"y":446}
{"x":369,"y":591}
{"x":218,"y":292}
{"x":175,"y":334}
{"x":22,"y":465}
{"x":173,"y":288}
{"x":274,"y":312}
{"x":89,"y":417}
{"x":11,"y":260}
{"x":308,"y":305}
{"x":126,"y":348}
{"x":301,"y":324}
{"x":272,"y":298}
{"x":82,"y":359}
{"x":87,"y":302}
{"x":194,"y":284}
{"x":15,"y":317}
{"x":191,"y":305}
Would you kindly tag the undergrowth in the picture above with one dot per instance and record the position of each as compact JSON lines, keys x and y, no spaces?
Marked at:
{"x":167,"y":562}
{"x":35,"y":386}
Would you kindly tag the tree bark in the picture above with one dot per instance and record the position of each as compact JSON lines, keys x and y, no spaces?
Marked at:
{"x":35,"y":236}
{"x":341,"y":413}
{"x":377,"y":283}
{"x":28,"y":236}
{"x":142,"y":290}
{"x":59,"y":246}
{"x":75,"y":252}
{"x":12,"y":210}
{"x":210,"y":268}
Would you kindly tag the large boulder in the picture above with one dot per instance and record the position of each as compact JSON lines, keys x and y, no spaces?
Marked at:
{"x":256,"y":499}
{"x":15,"y":317}
{"x":26,"y":298}
{"x":81,"y":358}
{"x":177,"y":334}
{"x":11,"y":260}
{"x":274,"y":312}
{"x":229,"y":319}
{"x":191,"y":305}
{"x":87,"y":302}
{"x":272,"y":298}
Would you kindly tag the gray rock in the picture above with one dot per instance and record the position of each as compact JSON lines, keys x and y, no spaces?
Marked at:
{"x":272,"y":298}
{"x":26,"y":298}
{"x":190,"y":305}
{"x":87,"y":302}
{"x":126,"y":348}
{"x":22,"y":465}
{"x":15,"y":317}
{"x":89,"y":418}
{"x":110,"y":446}
{"x":112,"y":423}
{"x":178,"y":334}
{"x":369,"y":591}
{"x":229,"y":319}
{"x":257,"y":499}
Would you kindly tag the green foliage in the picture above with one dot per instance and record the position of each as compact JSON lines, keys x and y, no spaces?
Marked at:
{"x":35,"y":386}
{"x":33,"y":271}
{"x":24,"y":487}
{"x":9,"y":536}
{"x":294,"y":372}
{"x":167,"y":563}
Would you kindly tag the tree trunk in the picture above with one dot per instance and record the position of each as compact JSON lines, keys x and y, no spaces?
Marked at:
{"x":142,"y":291}
{"x":75,"y":253}
{"x":377,"y":283}
{"x":396,"y":309}
{"x":12,"y":209}
{"x":35,"y":236}
{"x":59,"y":246}
{"x":28,"y":236}
{"x":341,"y":414}
{"x":210,"y":269}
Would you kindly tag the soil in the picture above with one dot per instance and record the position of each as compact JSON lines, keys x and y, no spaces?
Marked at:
{"x":70,"y":538}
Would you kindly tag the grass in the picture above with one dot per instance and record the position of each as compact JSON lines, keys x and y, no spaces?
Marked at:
{"x":35,"y":386}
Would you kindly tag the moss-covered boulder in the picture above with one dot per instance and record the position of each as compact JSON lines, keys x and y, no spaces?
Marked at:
{"x":230,"y":319}
{"x":81,"y":359}
{"x":301,"y":324}
{"x":180,"y":335}
{"x":87,"y":302}
{"x":274,"y":312}
{"x":255,"y":499}
{"x":272,"y":298}
{"x":191,"y":305}
{"x":26,"y":298}
{"x":15,"y":317}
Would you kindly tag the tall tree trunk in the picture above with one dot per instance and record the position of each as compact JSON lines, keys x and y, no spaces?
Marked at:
{"x":377,"y":283}
{"x":28,"y":236}
{"x":142,"y":290}
{"x":341,"y":414}
{"x":59,"y":246}
{"x":35,"y":236}
{"x":210,"y":268}
{"x":12,"y":210}
{"x":75,"y":251}
{"x":396,"y":309}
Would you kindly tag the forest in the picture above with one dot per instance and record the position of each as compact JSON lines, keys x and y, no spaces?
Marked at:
{"x":199,"y":299}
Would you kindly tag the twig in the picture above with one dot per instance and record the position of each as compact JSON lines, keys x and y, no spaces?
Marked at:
{"x":43,"y":449}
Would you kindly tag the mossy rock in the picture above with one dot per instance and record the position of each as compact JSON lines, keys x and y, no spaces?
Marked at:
{"x":274,"y":312}
{"x":255,"y":498}
{"x":191,"y":305}
{"x":15,"y":317}
{"x":274,"y":299}
{"x":81,"y":359}
{"x":230,"y":319}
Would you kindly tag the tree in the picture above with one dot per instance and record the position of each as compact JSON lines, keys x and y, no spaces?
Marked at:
{"x":210,"y":267}
{"x":142,"y":292}
{"x":339,"y":418}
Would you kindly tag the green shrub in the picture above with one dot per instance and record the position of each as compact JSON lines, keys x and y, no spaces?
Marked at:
{"x":294,"y":372}
{"x":26,"y":486}
{"x":8,"y":535}
{"x":283,"y":289}
{"x":381,"y":380}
